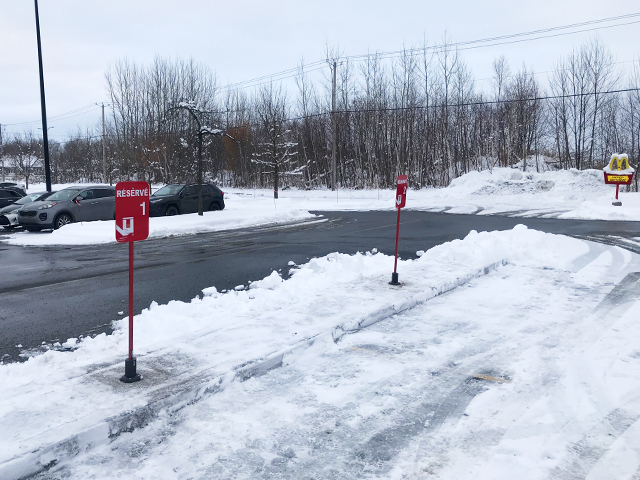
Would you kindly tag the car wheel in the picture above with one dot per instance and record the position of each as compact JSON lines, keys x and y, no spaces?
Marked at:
{"x":171,"y":211}
{"x":62,"y":220}
{"x":214,"y":206}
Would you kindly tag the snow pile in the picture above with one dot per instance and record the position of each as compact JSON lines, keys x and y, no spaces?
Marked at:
{"x":615,"y":171}
{"x":564,"y":194}
{"x":235,"y":215}
{"x":58,"y":393}
{"x":580,"y":194}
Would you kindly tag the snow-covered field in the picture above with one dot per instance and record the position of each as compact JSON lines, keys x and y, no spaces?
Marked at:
{"x":503,"y":191}
{"x":528,"y":369}
{"x":578,"y":194}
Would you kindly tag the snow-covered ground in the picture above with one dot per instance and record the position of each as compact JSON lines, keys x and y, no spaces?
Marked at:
{"x":235,"y":215}
{"x":503,"y":191}
{"x":578,"y":194}
{"x":530,"y":369}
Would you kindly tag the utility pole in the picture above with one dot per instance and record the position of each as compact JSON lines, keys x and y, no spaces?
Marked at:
{"x":104,"y":152}
{"x":333,"y":129}
{"x":45,"y":135}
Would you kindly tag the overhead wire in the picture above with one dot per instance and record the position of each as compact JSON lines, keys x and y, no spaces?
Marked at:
{"x":61,"y":116}
{"x":463,"y":104}
{"x":465,"y":45}
{"x":322,"y":64}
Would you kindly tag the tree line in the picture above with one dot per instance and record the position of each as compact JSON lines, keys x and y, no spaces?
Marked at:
{"x":419,"y":113}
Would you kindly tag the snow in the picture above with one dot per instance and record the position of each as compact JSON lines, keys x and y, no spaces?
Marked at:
{"x":615,"y":171}
{"x":235,"y":215}
{"x":566,"y":194}
{"x":406,"y":397}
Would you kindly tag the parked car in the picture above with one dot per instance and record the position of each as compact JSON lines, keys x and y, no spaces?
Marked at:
{"x":73,"y":204}
{"x":9,"y":195}
{"x":9,"y":215}
{"x":16,"y":186}
{"x":178,"y":198}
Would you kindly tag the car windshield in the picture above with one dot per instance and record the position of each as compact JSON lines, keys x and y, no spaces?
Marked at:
{"x":65,"y":194}
{"x":28,"y":199}
{"x":168,"y":190}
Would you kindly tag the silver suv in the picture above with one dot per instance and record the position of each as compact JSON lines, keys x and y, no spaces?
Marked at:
{"x":73,"y":204}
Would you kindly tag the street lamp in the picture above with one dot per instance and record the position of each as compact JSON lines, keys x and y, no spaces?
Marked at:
{"x":193,"y":110}
{"x":45,"y":136}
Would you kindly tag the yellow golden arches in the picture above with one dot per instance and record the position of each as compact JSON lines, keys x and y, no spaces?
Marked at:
{"x":625,"y":161}
{"x":614,"y":161}
{"x":619,"y":161}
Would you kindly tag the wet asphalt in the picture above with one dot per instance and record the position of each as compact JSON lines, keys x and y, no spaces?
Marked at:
{"x":49,"y":294}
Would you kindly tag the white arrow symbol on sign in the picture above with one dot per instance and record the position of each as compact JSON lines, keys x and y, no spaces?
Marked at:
{"x":127,"y":227}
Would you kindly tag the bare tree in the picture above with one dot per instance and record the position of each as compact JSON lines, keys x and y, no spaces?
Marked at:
{"x":25,"y":155}
{"x":275,"y":151}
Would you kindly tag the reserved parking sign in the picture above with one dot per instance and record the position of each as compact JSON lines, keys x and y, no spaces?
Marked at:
{"x":132,"y":211}
{"x":132,"y":225}
{"x":401,"y":191}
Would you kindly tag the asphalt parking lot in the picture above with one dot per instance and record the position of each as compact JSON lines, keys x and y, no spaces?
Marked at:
{"x":92,"y":280}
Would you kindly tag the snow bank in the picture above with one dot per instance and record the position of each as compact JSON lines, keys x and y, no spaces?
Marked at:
{"x":580,"y":194}
{"x":59,"y":393}
{"x":236,"y":215}
{"x":515,"y":376}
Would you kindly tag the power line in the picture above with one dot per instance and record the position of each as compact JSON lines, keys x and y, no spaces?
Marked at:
{"x":423,"y":107}
{"x":465,"y":104}
{"x":61,"y":116}
{"x":555,"y":35}
{"x":466,"y":45}
{"x":547,"y":71}
{"x":507,"y":37}
{"x":321,"y":64}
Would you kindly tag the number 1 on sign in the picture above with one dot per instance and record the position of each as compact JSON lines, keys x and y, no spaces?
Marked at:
{"x":142,"y":205}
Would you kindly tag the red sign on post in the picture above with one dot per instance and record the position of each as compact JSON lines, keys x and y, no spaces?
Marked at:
{"x":132,"y":225}
{"x":132,"y":211}
{"x":401,"y":191}
{"x":401,"y":200}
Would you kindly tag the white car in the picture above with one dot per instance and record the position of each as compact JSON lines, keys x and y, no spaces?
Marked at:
{"x":9,"y":214}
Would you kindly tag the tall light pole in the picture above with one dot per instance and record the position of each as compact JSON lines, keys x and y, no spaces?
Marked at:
{"x":333,"y":128}
{"x":45,"y":136}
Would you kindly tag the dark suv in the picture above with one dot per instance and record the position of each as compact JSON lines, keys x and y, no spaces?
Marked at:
{"x":9,"y":195}
{"x":178,"y":198}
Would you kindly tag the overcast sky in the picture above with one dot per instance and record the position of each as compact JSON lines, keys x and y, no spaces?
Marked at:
{"x":244,"y":39}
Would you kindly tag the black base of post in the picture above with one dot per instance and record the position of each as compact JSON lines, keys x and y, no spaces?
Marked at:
{"x":394,"y":279}
{"x":130,"y":374}
{"x":617,"y":203}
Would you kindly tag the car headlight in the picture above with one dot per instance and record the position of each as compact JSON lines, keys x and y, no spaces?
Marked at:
{"x":44,"y":207}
